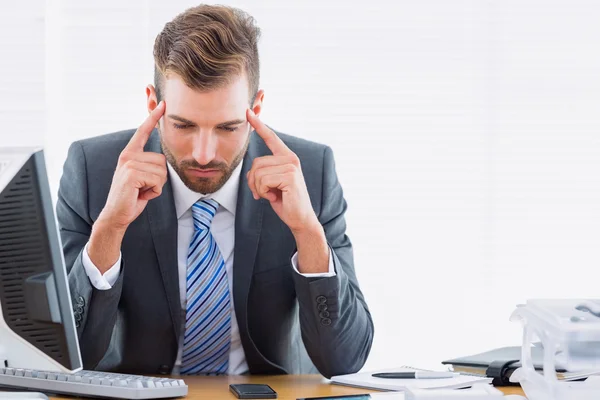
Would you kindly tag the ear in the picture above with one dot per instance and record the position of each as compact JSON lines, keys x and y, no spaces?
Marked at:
{"x":258,"y":102}
{"x":151,"y":100}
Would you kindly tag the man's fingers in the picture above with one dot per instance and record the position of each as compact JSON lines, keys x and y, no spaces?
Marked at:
{"x":145,"y":177}
{"x":268,"y":165}
{"x":251,"y":184}
{"x":158,"y":170}
{"x":269,"y":182}
{"x":273,"y":142}
{"x":269,"y":161}
{"x":146,"y":181}
{"x":148,"y":195}
{"x":140,"y":137}
{"x":145,"y":157}
{"x":262,"y":180}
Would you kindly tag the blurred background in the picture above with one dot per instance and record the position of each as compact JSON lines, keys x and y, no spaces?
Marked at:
{"x":465,"y":135}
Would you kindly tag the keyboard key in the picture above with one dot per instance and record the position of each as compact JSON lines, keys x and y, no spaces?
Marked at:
{"x":136,"y":384}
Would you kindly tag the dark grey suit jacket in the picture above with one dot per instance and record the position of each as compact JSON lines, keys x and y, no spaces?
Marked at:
{"x":288,"y":323}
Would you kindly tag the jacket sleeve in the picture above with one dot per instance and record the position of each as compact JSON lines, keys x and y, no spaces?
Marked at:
{"x":95,"y":310}
{"x":336,"y":325}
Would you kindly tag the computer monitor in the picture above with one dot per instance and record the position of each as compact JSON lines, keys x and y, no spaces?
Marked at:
{"x":37,"y":328}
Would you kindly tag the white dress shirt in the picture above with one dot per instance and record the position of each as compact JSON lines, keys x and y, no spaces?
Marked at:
{"x":223,"y":230}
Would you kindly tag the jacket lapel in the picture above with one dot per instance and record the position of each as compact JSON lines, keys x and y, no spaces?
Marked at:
{"x":162,"y":218}
{"x":248,"y":224}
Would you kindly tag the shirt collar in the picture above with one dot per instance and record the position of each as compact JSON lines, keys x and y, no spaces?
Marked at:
{"x":184,"y":197}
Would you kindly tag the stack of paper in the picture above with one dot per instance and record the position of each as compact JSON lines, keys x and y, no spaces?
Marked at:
{"x":366,"y":380}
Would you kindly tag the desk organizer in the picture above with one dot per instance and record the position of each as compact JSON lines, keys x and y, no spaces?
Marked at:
{"x":569,"y":331}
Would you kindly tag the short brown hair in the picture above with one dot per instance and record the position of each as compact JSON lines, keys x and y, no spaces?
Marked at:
{"x":208,"y":46}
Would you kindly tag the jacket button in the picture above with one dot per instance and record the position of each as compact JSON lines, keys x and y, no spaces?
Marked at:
{"x":321,"y":299}
{"x":163,"y":369}
{"x":78,"y":317}
{"x":80,"y":301}
{"x":324,"y":314}
{"x":79,"y":310}
{"x":326,"y":321}
{"x":322,"y":307}
{"x":77,"y":324}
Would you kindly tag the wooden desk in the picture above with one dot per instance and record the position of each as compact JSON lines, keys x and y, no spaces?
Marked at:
{"x":288,"y":387}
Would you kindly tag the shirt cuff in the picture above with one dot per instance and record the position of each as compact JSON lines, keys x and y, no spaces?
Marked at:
{"x":327,"y":274}
{"x":99,"y":281}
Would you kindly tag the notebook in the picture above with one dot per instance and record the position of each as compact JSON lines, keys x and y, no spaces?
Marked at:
{"x":502,"y":362}
{"x":365,"y":380}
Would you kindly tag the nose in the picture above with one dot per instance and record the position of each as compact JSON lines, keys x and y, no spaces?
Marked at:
{"x":205,"y":148}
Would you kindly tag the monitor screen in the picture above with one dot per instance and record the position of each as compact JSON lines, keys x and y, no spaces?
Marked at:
{"x":37,"y":328}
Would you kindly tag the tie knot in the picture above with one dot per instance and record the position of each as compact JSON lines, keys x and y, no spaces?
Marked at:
{"x":203,"y":212}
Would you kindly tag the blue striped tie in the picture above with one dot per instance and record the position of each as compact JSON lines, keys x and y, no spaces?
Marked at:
{"x":207,"y":335}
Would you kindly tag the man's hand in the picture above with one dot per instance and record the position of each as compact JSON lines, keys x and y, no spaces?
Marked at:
{"x":139,"y":178}
{"x":278,"y":178}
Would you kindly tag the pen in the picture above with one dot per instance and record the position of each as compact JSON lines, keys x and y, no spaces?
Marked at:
{"x":415,"y":375}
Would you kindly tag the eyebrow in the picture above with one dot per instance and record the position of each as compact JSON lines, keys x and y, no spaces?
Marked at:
{"x":181,"y":119}
{"x":192,"y":123}
{"x":232,"y":122}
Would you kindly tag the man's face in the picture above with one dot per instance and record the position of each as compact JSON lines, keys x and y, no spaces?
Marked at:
{"x":205,"y":135}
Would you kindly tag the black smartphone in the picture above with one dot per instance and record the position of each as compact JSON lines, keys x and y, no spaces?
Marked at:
{"x":253,"y":391}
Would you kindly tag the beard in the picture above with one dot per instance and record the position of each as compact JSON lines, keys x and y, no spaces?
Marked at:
{"x":200,"y":184}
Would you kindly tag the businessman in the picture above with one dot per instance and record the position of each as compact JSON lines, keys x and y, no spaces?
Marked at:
{"x":204,"y":242}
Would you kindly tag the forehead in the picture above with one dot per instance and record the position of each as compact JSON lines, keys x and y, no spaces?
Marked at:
{"x":216,"y":105}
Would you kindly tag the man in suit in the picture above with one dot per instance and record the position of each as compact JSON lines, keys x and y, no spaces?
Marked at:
{"x":204,"y":242}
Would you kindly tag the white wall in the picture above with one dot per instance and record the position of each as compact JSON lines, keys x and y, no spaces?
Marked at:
{"x":465,"y":133}
{"x":22,"y":68}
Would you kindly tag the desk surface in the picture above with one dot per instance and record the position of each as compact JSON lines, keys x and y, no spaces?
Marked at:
{"x":288,"y":387}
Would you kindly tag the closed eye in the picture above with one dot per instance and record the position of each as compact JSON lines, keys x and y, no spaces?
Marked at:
{"x":229,"y":128}
{"x":181,"y":126}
